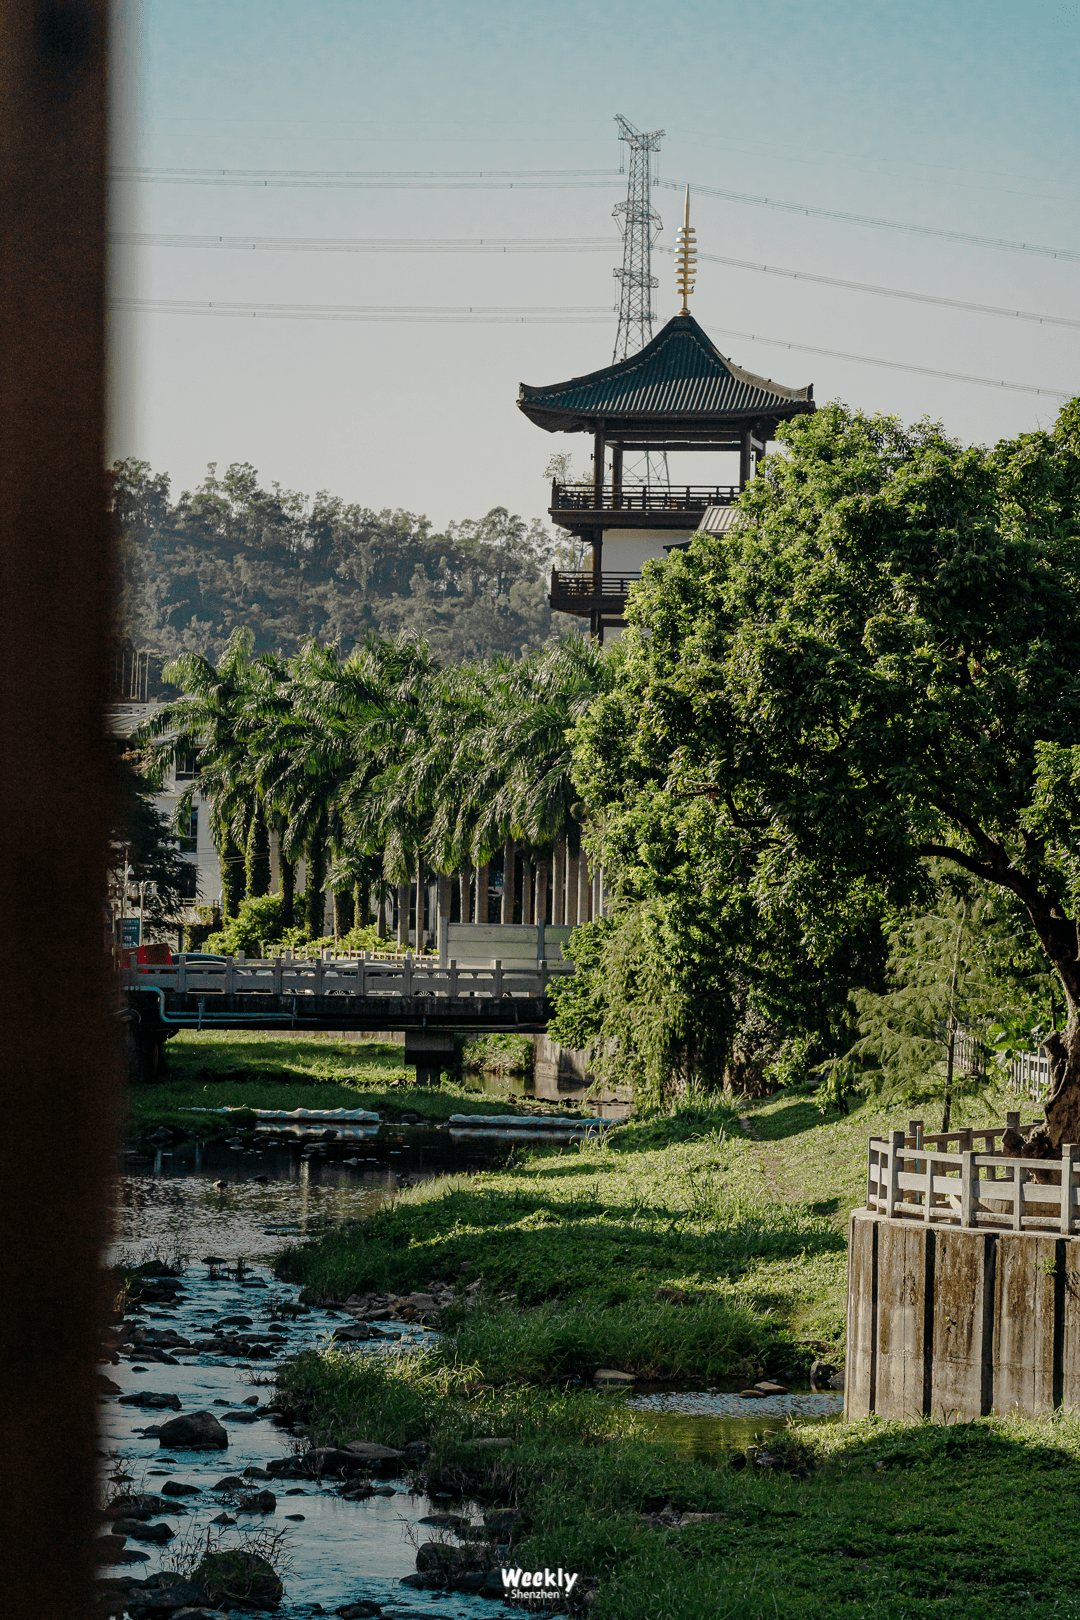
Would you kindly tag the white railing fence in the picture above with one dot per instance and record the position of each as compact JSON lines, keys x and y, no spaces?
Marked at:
{"x":919,"y":1177}
{"x":356,"y":975}
{"x":1029,"y":1074}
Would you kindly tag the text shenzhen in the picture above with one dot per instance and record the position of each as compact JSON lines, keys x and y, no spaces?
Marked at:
{"x":537,"y":1585}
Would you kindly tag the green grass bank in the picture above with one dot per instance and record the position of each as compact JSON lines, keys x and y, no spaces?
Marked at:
{"x":889,"y":1521}
{"x":573,"y":1245}
{"x":877,"y":1521}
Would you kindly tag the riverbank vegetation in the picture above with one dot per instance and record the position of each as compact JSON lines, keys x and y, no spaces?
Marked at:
{"x":832,"y":776}
{"x":869,"y":1520}
{"x":682,"y":1247}
{"x":744,"y":1230}
{"x":248,"y":1070}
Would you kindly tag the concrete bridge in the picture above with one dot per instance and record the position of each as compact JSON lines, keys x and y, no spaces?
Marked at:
{"x":429,"y":998}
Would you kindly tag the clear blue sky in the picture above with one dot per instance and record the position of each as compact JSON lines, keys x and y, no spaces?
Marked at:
{"x":962,"y":116}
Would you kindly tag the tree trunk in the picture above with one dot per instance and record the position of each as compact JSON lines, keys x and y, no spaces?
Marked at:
{"x":257,"y":854}
{"x":403,"y":916}
{"x":315,"y":898}
{"x":232,"y":877}
{"x":541,"y":910}
{"x":946,"y":1113}
{"x":380,"y":924}
{"x":509,"y":873}
{"x":558,"y":883}
{"x":288,"y":892}
{"x":483,"y":892}
{"x":418,"y":919}
{"x":362,"y":901}
{"x":1061,"y":1111}
{"x":343,"y":912}
{"x":1058,"y":935}
{"x":465,"y":886}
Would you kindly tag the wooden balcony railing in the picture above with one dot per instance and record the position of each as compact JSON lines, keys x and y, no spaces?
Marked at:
{"x":583,"y":587}
{"x":643,"y":498}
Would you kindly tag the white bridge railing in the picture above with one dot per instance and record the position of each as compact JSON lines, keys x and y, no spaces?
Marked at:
{"x":355,"y":976}
{"x":918,"y":1178}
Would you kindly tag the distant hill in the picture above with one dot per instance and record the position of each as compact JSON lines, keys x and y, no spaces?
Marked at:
{"x":290,"y":567}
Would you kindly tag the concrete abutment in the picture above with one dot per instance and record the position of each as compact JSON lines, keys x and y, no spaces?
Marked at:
{"x":957,"y":1322}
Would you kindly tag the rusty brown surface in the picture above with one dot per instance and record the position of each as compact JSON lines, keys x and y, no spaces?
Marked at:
{"x":55,"y":582}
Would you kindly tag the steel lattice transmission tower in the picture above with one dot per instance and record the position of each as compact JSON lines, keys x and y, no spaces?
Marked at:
{"x":640,"y":227}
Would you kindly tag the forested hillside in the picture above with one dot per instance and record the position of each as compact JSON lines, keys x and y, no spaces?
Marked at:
{"x":290,"y":567}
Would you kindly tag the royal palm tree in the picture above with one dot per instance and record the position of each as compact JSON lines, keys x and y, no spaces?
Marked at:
{"x":208,"y":724}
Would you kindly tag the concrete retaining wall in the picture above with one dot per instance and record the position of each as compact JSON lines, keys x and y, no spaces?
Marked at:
{"x":959,"y":1322}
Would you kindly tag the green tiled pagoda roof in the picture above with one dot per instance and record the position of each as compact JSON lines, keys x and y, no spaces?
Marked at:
{"x":680,"y":376}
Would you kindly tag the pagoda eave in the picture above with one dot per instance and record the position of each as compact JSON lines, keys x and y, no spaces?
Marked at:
{"x":661,"y":430}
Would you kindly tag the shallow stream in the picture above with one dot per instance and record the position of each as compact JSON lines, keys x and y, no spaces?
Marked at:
{"x":238,"y":1203}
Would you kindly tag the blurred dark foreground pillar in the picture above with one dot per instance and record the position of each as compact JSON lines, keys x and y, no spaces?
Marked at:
{"x":57,"y":1032}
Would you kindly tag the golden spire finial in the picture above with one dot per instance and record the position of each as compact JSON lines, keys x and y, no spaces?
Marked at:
{"x":685,"y":257}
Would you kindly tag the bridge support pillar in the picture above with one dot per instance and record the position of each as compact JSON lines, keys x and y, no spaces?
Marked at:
{"x":432,"y":1050}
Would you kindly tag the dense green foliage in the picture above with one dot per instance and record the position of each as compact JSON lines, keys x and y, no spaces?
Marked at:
{"x":966,"y":984}
{"x":877,"y":667}
{"x":292,"y":569}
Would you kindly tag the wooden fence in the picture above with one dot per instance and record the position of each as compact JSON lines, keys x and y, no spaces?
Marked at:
{"x":1029,"y":1074}
{"x":356,"y":975}
{"x":917,"y":1177}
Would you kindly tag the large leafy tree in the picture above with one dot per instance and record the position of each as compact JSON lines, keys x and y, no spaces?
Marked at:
{"x":878,"y":668}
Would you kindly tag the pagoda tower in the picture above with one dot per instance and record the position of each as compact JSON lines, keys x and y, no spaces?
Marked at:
{"x":678,"y":393}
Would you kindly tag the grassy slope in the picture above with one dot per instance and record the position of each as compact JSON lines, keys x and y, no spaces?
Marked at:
{"x":892,"y":1521}
{"x":582,"y":1239}
{"x":889,"y":1521}
{"x":245,"y":1069}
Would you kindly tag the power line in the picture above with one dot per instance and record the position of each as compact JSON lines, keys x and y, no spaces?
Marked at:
{"x":889,"y":292}
{"x":502,"y":179}
{"x":370,"y":244}
{"x":388,"y":179}
{"x":894,"y":365}
{"x":468,"y":313}
{"x":525,"y":244}
{"x":479,"y":314}
{"x":1071,"y":254}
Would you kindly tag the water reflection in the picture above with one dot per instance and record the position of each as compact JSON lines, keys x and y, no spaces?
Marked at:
{"x":213,"y":1198}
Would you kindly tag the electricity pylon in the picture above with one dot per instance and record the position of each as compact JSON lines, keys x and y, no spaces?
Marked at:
{"x":640,"y":227}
